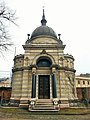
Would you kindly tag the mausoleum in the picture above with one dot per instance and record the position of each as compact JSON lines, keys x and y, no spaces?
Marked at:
{"x":43,"y":78}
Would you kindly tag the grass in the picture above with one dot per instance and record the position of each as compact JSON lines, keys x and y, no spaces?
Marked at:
{"x":63,"y":114}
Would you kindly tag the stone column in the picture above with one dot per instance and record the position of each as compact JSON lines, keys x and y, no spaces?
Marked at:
{"x":37,"y":86}
{"x":34,"y":82}
{"x":33,"y":85}
{"x":54,"y":88}
{"x":33,"y":92}
{"x":54,"y":92}
{"x":51,"y":86}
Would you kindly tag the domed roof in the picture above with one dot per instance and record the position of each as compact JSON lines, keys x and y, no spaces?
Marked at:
{"x":43,"y":30}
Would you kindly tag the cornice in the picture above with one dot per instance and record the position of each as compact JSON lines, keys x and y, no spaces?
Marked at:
{"x":53,"y":46}
{"x":55,"y":65}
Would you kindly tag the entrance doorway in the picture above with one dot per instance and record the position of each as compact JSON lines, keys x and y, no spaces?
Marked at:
{"x":44,"y":87}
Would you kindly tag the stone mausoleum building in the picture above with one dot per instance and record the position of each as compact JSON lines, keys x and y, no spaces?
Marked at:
{"x":43,"y":77}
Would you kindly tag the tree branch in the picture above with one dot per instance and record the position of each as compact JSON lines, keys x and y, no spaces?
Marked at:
{"x":6,"y":15}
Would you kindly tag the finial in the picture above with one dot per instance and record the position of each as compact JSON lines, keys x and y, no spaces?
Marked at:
{"x":43,"y":21}
{"x":28,"y":36}
{"x":43,"y":17}
{"x":60,"y":39}
{"x":43,"y":7}
{"x":59,"y":36}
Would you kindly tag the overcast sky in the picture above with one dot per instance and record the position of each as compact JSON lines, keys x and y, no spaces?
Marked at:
{"x":70,"y":18}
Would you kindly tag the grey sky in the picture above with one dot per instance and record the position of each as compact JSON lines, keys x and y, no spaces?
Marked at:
{"x":70,"y":18}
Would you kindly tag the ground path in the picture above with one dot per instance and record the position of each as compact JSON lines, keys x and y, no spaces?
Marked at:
{"x":18,"y":114}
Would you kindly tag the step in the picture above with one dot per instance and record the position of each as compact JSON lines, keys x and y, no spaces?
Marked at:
{"x":44,"y":100}
{"x":44,"y":103}
{"x":40,"y":106}
{"x":44,"y":110}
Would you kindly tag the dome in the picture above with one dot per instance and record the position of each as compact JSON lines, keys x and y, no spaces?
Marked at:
{"x":43,"y":30}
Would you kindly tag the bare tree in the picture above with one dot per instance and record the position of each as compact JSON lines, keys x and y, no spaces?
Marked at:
{"x":6,"y":15}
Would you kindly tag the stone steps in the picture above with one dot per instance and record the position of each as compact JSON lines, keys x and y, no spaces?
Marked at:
{"x":44,"y":105}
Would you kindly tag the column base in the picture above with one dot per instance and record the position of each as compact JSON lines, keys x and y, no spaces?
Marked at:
{"x":24,"y":103}
{"x":73,"y":102}
{"x":64,"y":103}
{"x":14,"y":102}
{"x":32,"y":103}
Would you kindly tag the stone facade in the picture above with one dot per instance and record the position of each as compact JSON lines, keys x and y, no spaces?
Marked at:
{"x":44,"y":58}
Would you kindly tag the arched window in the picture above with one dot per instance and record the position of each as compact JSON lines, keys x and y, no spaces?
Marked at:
{"x":44,"y":62}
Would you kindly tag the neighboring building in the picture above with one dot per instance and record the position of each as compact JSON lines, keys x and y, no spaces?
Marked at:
{"x":5,"y":90}
{"x":5,"y":82}
{"x":5,"y":94}
{"x":83,"y":86}
{"x":43,"y":75}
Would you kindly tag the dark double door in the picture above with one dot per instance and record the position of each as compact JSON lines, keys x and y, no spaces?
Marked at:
{"x":44,"y":87}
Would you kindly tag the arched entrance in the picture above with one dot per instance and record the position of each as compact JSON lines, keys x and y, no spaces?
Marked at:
{"x":44,"y":79}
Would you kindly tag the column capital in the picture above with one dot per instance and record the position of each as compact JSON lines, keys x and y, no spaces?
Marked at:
{"x":33,"y":70}
{"x":33,"y":67}
{"x":53,"y":70}
{"x":55,"y":66}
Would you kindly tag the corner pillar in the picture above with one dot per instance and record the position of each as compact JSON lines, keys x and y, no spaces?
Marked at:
{"x":24,"y":96}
